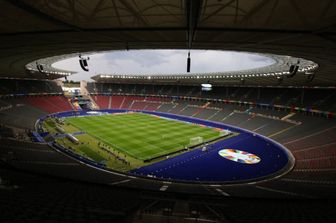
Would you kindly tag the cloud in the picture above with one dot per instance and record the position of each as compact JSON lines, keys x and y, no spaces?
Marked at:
{"x":163,"y":62}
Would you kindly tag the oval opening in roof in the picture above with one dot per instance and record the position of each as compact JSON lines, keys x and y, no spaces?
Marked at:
{"x":147,"y":62}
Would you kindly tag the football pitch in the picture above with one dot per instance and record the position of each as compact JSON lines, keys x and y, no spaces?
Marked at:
{"x":142,"y":136}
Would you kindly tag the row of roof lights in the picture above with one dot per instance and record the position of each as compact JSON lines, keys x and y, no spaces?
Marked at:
{"x":305,"y":69}
{"x":194,"y":77}
{"x":50,"y":72}
{"x":308,"y":68}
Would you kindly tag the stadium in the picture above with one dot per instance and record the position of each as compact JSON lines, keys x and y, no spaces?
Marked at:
{"x":253,"y":144}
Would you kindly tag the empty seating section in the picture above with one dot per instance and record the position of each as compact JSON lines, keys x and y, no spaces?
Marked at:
{"x":19,"y":113}
{"x":6,"y":131}
{"x":255,"y":123}
{"x":22,"y":151}
{"x":326,"y":162}
{"x":220,"y":115}
{"x":145,"y":105}
{"x":178,"y":107}
{"x":317,"y":151}
{"x":138,"y":105}
{"x":158,"y":99}
{"x":25,"y":110}
{"x":269,"y":112}
{"x":188,"y":110}
{"x":236,"y":118}
{"x":165,"y":107}
{"x":152,"y":106}
{"x":313,"y":145}
{"x":39,"y":158}
{"x":320,"y":99}
{"x":128,"y":101}
{"x":11,"y":86}
{"x":117,"y":101}
{"x":273,"y":127}
{"x":205,"y":113}
{"x":50,"y":104}
{"x":39,"y":198}
{"x":301,"y":97}
{"x":102,"y":101}
{"x":308,"y":126}
{"x":318,"y":137}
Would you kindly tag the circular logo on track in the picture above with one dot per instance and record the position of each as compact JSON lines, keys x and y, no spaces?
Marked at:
{"x":239,"y":156}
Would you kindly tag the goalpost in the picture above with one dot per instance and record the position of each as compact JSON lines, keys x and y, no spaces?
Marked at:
{"x":196,"y":140}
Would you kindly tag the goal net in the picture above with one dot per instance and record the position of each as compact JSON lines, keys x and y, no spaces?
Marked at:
{"x":196,"y":140}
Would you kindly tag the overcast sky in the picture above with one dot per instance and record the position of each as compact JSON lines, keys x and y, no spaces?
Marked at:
{"x":162,"y":62}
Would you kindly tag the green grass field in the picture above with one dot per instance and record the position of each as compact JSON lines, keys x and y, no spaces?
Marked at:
{"x":140,"y":135}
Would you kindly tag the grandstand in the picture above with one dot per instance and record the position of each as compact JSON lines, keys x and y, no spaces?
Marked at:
{"x":300,"y":133}
{"x":310,"y":136}
{"x":286,"y":120}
